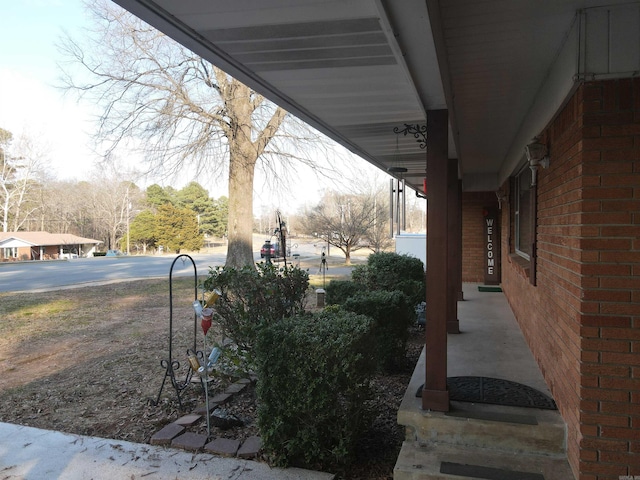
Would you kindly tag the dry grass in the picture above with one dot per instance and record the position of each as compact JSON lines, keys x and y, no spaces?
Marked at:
{"x":87,"y":361}
{"x":84,"y":360}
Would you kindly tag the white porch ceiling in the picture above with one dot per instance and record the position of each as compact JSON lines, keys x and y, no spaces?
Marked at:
{"x":355,"y":69}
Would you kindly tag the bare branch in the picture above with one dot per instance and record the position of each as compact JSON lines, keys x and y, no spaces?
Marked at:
{"x":181,"y":114}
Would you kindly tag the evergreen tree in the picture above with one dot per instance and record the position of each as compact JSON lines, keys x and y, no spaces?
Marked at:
{"x":142,"y":230}
{"x":177,"y":228}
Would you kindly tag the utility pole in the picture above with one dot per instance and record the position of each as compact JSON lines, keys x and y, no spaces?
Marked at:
{"x":128,"y":213}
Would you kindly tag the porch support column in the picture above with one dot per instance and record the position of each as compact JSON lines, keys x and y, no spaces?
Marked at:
{"x":458,"y":234}
{"x":435,"y":395}
{"x":454,"y":257}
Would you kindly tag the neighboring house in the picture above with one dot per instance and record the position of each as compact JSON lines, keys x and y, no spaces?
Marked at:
{"x":44,"y":246}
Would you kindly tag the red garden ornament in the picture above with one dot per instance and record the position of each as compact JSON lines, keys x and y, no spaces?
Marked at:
{"x":207,"y":315}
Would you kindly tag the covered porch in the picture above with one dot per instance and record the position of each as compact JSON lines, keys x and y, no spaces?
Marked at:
{"x":503,"y":441}
{"x":527,"y":110}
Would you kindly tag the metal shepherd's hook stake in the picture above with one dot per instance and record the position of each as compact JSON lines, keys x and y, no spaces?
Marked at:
{"x":323,"y":268}
{"x":207,"y":315}
{"x":203,"y":371}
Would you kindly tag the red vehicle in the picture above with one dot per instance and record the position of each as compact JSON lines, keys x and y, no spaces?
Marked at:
{"x":273,"y":249}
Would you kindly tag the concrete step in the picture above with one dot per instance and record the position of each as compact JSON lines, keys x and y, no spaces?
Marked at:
{"x":433,"y":461}
{"x":494,"y":427}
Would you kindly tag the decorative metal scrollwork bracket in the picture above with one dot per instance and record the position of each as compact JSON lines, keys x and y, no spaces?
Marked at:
{"x":418,"y":131}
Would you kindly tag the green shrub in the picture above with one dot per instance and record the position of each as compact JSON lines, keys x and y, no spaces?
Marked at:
{"x":392,"y":315}
{"x":392,"y":271}
{"x":359,"y":273}
{"x":313,"y":384}
{"x":254,"y":297}
{"x":337,"y":291}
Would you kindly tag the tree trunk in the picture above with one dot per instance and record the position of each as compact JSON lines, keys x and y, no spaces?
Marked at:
{"x":240,"y":249}
{"x":243,"y":155}
{"x":347,"y":256}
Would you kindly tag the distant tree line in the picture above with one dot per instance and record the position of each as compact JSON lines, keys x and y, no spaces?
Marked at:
{"x":116,"y":211}
{"x":107,"y":207}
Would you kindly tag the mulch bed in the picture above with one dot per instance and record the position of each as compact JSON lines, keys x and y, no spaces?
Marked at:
{"x":87,"y":361}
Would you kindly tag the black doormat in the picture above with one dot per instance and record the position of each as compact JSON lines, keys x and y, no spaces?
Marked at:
{"x":496,"y":392}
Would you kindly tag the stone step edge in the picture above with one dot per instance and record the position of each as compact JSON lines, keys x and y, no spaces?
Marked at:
{"x":546,"y":436}
{"x":422,"y":461}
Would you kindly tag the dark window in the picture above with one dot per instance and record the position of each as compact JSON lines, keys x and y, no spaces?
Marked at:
{"x":523,"y":221}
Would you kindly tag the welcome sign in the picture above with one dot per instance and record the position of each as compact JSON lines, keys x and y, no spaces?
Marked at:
{"x":492,"y":247}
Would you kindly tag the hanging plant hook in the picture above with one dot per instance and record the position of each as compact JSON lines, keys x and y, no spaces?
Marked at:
{"x":418,"y":131}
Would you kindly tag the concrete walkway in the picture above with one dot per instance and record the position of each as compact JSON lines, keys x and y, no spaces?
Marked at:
{"x":34,"y":454}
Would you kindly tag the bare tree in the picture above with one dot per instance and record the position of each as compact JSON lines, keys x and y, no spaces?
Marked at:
{"x":112,"y":201}
{"x":7,"y":172}
{"x":21,"y":174}
{"x":64,"y":208}
{"x":344,"y":221}
{"x":416,"y":214}
{"x":183,"y":112}
{"x":378,"y":236}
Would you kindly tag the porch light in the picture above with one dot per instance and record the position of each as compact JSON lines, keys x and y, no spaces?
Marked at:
{"x":502,"y":197}
{"x":537,"y":156}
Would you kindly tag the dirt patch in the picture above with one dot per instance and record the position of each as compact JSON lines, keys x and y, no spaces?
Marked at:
{"x":88,"y":360}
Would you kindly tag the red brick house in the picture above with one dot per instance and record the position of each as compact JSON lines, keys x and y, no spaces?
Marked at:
{"x":478,"y":85}
{"x":580,"y":312}
{"x":44,"y":246}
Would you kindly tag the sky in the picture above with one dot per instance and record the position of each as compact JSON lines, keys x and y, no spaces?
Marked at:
{"x":29,"y":101}
{"x":32,"y":103}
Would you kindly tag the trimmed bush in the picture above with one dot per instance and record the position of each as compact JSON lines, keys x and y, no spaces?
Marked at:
{"x":314,"y":373}
{"x":337,"y":291}
{"x":392,"y":316}
{"x":392,"y":271}
{"x":359,"y":274}
{"x":254,"y":297}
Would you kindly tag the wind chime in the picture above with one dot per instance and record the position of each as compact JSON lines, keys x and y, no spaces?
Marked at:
{"x":397,"y":188}
{"x":397,"y":210}
{"x":397,"y":185}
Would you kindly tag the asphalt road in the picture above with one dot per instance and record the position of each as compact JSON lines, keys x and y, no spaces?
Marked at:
{"x":47,"y":275}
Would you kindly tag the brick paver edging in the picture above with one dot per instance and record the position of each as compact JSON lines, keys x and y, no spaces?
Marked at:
{"x":175,"y":434}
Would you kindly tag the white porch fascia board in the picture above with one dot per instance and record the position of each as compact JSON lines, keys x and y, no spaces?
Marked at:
{"x":596,"y":47}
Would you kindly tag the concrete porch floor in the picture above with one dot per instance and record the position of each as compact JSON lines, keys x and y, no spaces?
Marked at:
{"x":490,"y":343}
{"x":490,"y":441}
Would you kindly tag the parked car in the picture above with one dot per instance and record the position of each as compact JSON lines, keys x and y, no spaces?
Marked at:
{"x":272,"y":248}
{"x":113,"y":253}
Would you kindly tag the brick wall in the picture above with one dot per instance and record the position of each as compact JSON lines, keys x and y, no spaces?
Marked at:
{"x":610,"y":247}
{"x":582,"y":320}
{"x":473,"y":235}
